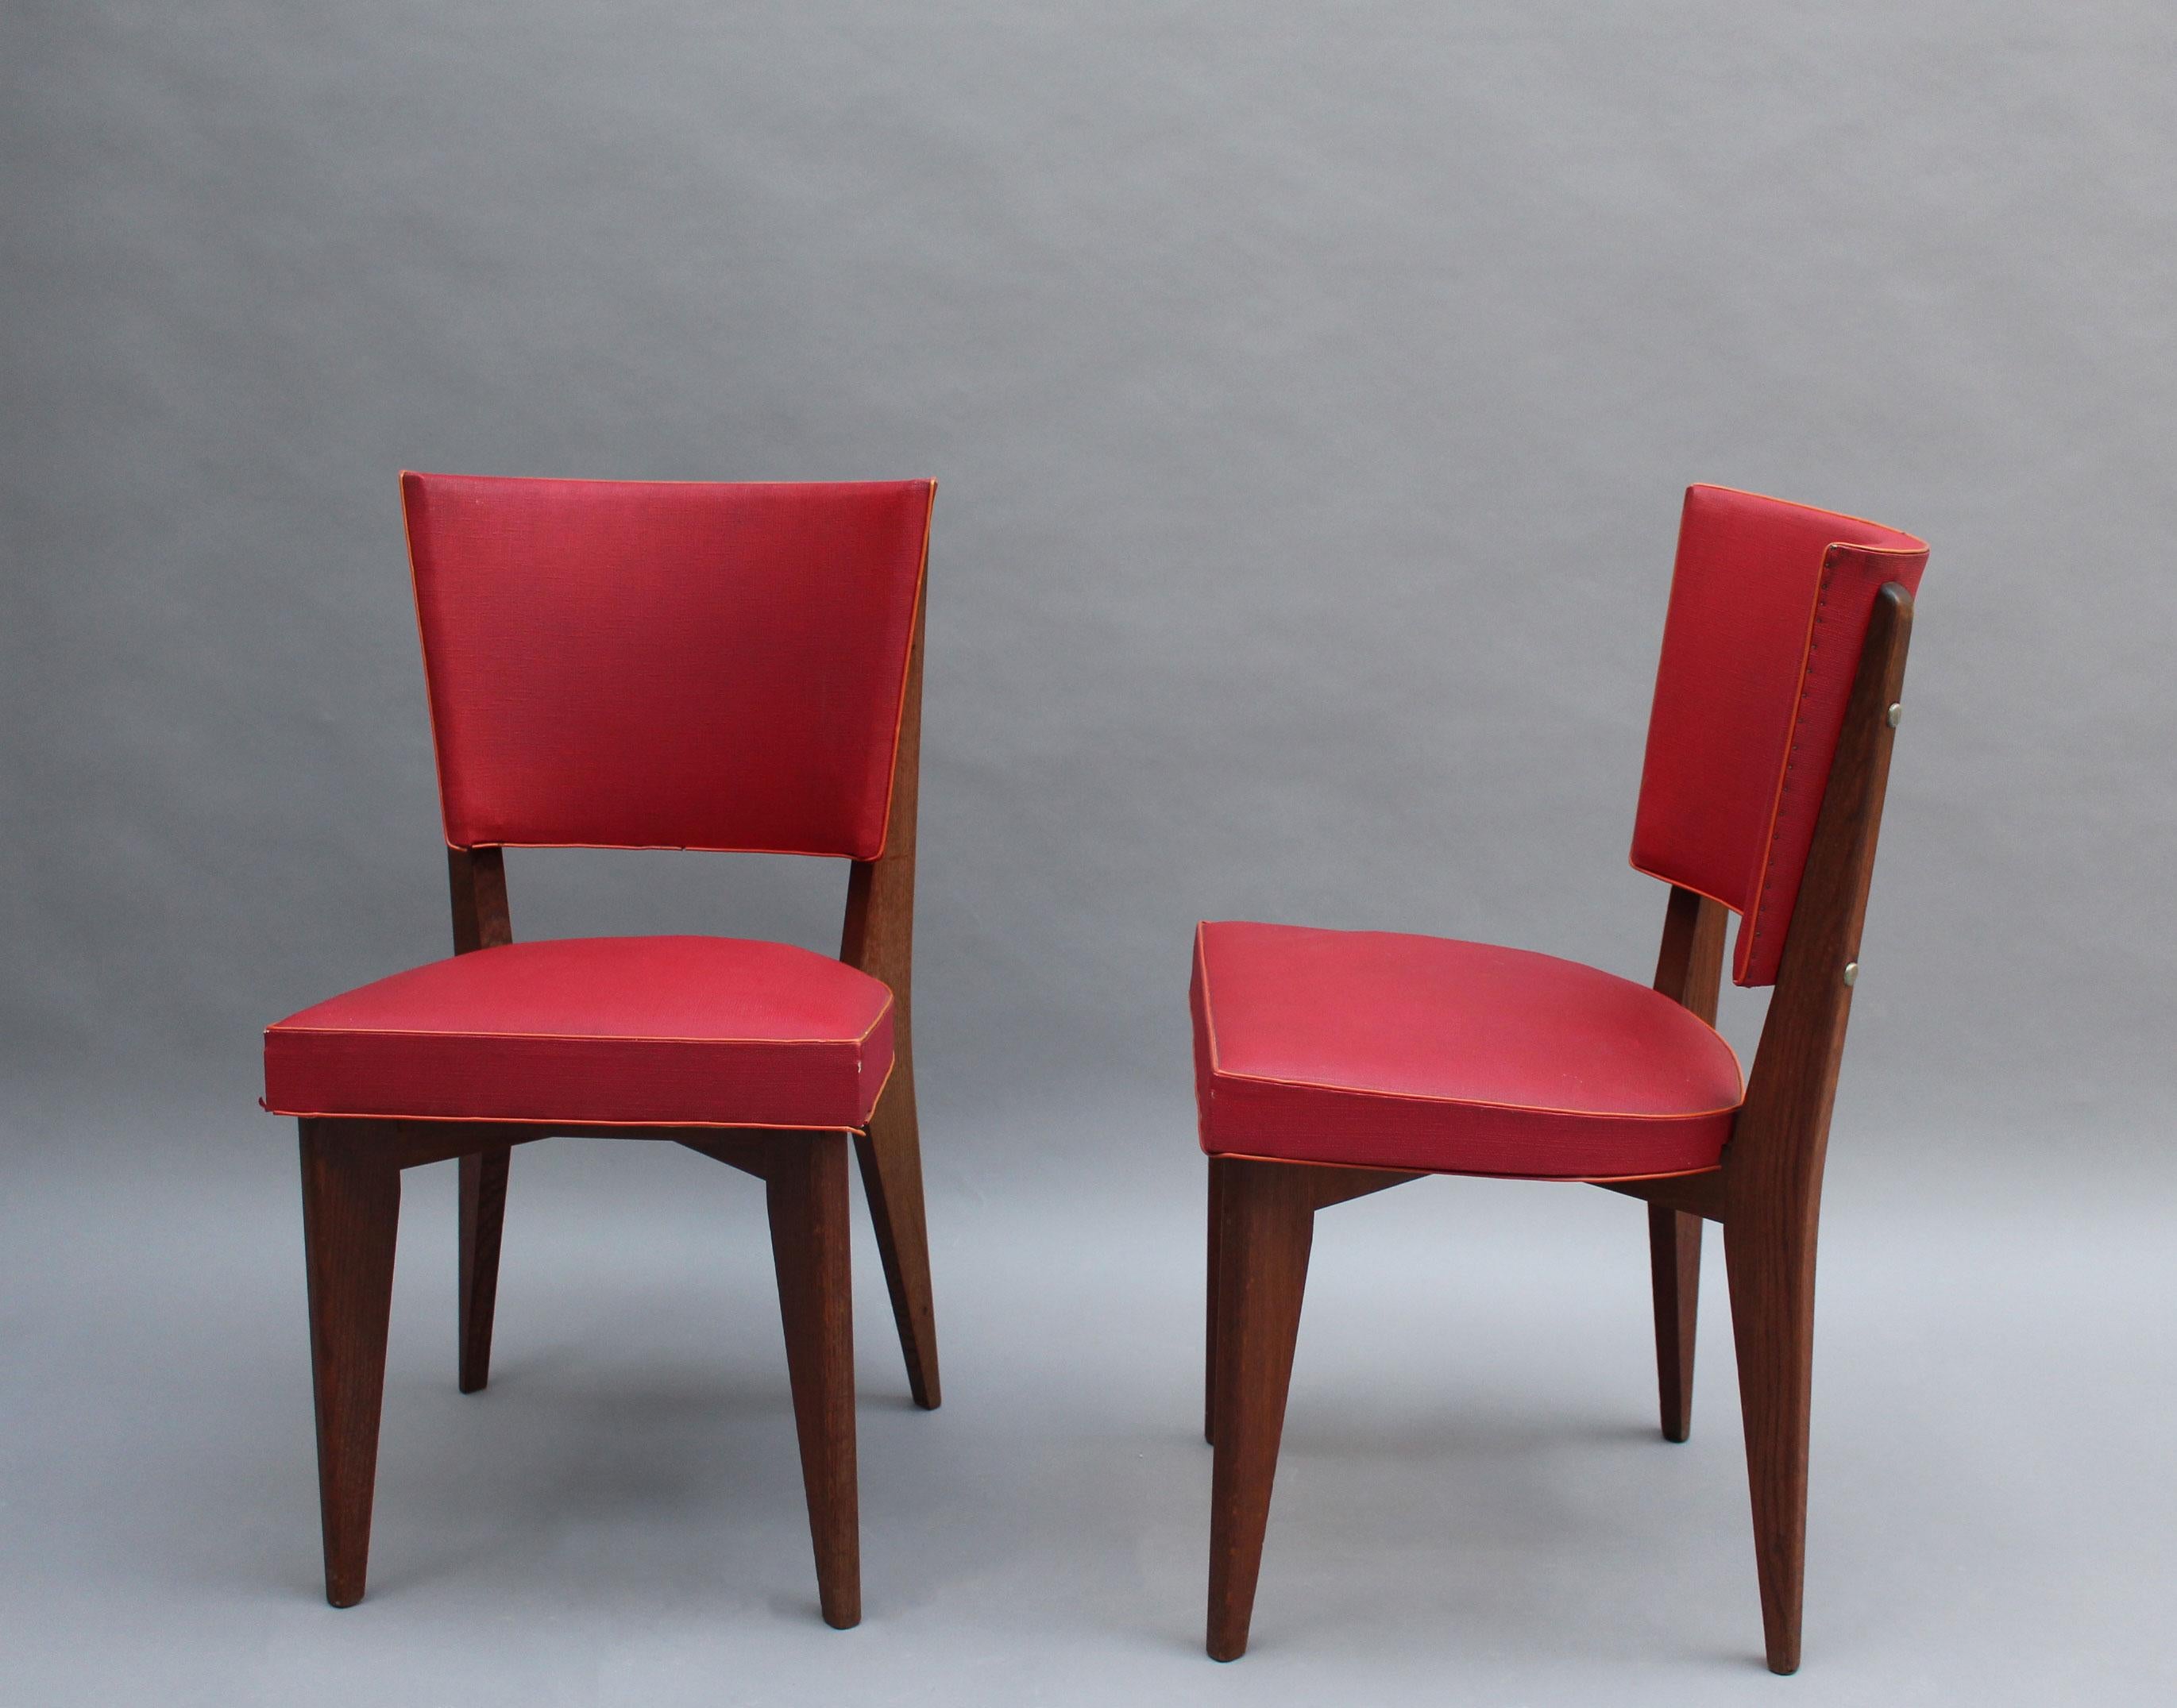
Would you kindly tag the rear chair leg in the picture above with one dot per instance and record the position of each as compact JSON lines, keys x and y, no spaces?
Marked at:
{"x":1674,"y":1248}
{"x":484,"y":1213}
{"x":891,"y":1157}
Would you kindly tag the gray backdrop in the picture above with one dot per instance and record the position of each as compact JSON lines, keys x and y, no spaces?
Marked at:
{"x":1311,"y":389}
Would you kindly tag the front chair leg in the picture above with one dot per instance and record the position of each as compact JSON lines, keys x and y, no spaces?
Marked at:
{"x":1771,"y":1262}
{"x":483,"y":1214}
{"x":891,"y":1157}
{"x":1674,"y":1248}
{"x":1212,"y":1268}
{"x":351,"y":1213}
{"x":806,"y":1191}
{"x":1266,"y":1215}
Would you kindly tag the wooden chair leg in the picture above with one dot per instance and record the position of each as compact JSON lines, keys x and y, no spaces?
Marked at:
{"x":806,"y":1190}
{"x":484,"y":1213}
{"x":1771,"y":1263}
{"x":1266,"y":1214}
{"x":1209,"y":1318}
{"x":1674,"y":1248}
{"x":351,"y":1213}
{"x":891,"y":1157}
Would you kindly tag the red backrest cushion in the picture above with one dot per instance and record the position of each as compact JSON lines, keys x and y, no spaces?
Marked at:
{"x":626,"y":664}
{"x":1769,"y":606}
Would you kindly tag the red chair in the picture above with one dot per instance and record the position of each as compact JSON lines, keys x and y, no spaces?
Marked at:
{"x":1331,"y":1064}
{"x":639,"y":665}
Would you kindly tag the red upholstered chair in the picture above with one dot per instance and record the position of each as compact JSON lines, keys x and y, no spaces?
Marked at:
{"x":1330,"y":1064}
{"x":626,"y":664}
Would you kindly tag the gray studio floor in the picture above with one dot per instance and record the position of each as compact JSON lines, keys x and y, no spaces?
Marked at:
{"x":1474,"y":1505}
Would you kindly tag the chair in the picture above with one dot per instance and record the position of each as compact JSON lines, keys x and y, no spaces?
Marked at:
{"x":1330,"y":1064}
{"x":638,"y":665}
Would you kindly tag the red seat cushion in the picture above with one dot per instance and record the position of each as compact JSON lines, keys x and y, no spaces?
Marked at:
{"x":665,"y":1030}
{"x":1388,"y":1050}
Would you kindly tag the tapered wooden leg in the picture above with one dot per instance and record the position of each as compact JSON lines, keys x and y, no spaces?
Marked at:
{"x":1674,"y":1248}
{"x":1209,"y":1320}
{"x":351,"y":1212}
{"x":1771,"y":1262}
{"x":483,"y":1212}
{"x":891,"y":1157}
{"x":1266,"y":1212}
{"x":806,"y":1188}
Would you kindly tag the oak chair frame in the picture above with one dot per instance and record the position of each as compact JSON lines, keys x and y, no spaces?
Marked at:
{"x":1766,"y":1194}
{"x":351,"y":1169}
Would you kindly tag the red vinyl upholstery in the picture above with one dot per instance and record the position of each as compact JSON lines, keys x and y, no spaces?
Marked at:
{"x":1383,"y":1050}
{"x":1770,"y":605}
{"x":671,"y":1031}
{"x":646,"y":664}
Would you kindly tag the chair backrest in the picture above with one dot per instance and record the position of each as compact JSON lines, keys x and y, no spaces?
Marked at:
{"x":625,"y":664}
{"x":1770,"y":605}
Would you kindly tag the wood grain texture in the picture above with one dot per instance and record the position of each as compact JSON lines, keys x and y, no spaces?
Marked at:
{"x":807,"y":1194}
{"x":753,"y":1150}
{"x":1341,"y":1184}
{"x":1773,"y":1167}
{"x":350,"y":1214}
{"x":482,"y":1216}
{"x":890,"y":1155}
{"x":1212,"y":1271}
{"x":1690,"y":964}
{"x":1690,"y":971}
{"x":1267,"y":1217}
{"x":475,"y":886}
{"x":878,"y":937}
{"x":1674,"y":1249}
{"x":1696,"y":1194}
